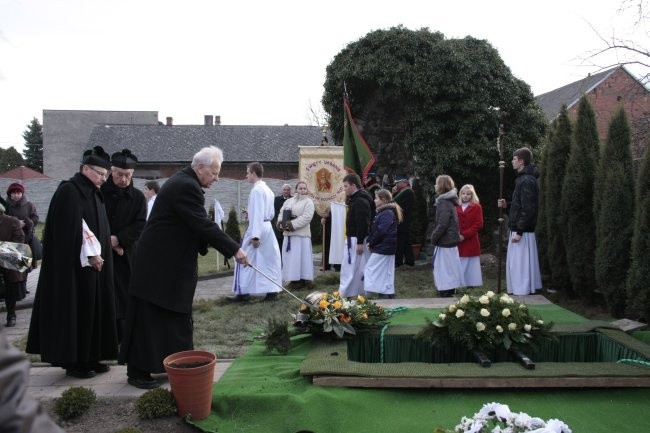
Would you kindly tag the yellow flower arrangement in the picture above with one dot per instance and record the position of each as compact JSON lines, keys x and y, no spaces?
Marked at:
{"x":338,"y":315}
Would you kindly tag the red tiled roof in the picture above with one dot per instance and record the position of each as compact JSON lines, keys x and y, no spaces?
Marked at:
{"x":22,"y":173}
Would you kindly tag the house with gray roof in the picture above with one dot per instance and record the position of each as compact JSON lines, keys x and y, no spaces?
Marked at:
{"x":607,"y":91}
{"x":164,"y":149}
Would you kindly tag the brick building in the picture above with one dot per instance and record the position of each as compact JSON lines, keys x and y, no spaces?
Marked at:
{"x":607,"y":91}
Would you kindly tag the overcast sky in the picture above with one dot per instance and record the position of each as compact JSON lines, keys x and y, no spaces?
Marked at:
{"x":255,"y":62}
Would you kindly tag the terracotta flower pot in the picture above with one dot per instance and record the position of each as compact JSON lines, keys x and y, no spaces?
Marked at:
{"x":191,"y":375}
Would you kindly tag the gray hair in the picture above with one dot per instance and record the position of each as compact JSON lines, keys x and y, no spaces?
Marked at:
{"x":207,"y":156}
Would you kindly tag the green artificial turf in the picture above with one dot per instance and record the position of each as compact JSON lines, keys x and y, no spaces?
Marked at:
{"x":262,"y":393}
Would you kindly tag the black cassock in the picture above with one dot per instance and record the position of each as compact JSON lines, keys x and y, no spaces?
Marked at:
{"x":73,"y":318}
{"x":159,"y":314}
{"x":127,"y":213}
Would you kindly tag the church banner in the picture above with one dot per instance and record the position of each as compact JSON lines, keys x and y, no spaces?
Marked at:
{"x":321,"y":167}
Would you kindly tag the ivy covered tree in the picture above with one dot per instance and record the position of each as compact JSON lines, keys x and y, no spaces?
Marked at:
{"x":33,"y":151}
{"x":10,"y":159}
{"x":578,"y":201}
{"x":638,"y":277}
{"x":554,"y":172}
{"x":426,"y":105}
{"x":614,"y":214}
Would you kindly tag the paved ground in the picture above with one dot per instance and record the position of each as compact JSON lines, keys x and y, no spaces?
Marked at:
{"x":48,"y":382}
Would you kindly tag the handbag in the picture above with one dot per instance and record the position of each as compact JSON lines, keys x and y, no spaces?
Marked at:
{"x":37,"y":248}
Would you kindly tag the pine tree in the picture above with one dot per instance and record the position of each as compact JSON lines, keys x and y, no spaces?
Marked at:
{"x":541,"y":234}
{"x":555,"y":168}
{"x":614,"y":213}
{"x":10,"y":159}
{"x":577,"y":202}
{"x":638,"y":278}
{"x":232,"y":226}
{"x":33,"y":151}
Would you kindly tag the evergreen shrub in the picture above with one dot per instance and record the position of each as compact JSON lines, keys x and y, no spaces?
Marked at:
{"x":232,"y":226}
{"x":74,"y":402}
{"x":156,"y":403}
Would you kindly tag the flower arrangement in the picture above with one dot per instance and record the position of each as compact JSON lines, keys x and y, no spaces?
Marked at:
{"x":487,"y":323}
{"x":332,"y":313}
{"x":497,"y":418}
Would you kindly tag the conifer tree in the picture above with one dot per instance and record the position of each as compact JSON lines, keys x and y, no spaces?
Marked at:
{"x":614,"y":213}
{"x":10,"y":159}
{"x":577,"y":201}
{"x":638,"y":277}
{"x":232,"y":226}
{"x":541,"y":235}
{"x":33,"y":151}
{"x":555,"y":168}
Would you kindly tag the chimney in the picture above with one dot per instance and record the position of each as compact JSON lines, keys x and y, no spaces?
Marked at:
{"x":207,"y":120}
{"x":217,"y":120}
{"x":170,"y":121}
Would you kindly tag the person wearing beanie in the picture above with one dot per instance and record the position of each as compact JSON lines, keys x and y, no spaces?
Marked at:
{"x":126,"y":208}
{"x":73,"y":317}
{"x":23,"y":209}
{"x":11,"y":231}
{"x":405,"y":197}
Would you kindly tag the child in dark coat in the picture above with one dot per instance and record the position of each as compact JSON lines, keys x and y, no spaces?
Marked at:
{"x":379,"y":274}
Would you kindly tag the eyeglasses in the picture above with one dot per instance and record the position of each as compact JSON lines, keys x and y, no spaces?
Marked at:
{"x":103,"y":174}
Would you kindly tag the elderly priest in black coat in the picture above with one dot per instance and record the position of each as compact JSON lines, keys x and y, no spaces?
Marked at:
{"x":73,"y":319}
{"x":126,"y":208}
{"x":159,"y":315}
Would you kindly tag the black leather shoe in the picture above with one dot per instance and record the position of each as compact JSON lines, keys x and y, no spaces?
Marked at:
{"x":79,"y":374}
{"x":11,"y":321}
{"x":101,"y":368}
{"x":271,"y":297}
{"x":239,"y":298}
{"x":143,"y":383}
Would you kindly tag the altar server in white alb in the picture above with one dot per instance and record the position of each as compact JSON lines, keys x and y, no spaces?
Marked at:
{"x":445,"y":238}
{"x":361,"y":209}
{"x":259,"y":243}
{"x":522,"y":263}
{"x":293,"y":221}
{"x":379,"y":275}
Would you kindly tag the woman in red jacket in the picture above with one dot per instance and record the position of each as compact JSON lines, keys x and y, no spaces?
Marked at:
{"x":470,"y":221}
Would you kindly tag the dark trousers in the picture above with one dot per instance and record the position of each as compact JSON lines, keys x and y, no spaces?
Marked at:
{"x":404,"y":253}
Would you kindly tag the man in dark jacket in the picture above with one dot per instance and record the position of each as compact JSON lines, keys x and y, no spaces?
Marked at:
{"x":278,"y":201}
{"x":126,"y":209}
{"x":361,"y":210}
{"x":159,"y":313}
{"x":522,"y":264}
{"x":405,"y":197}
{"x":73,"y":319}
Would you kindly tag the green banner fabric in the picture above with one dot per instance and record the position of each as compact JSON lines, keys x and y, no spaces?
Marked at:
{"x":357,"y":156}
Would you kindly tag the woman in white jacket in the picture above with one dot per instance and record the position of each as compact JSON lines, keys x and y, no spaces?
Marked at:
{"x":297,"y":262}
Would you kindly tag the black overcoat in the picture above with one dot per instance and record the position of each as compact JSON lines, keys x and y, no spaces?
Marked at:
{"x":73,"y":318}
{"x":178,"y":229}
{"x":127,"y":213}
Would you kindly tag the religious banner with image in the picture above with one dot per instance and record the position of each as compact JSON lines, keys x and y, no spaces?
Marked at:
{"x":321,"y":167}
